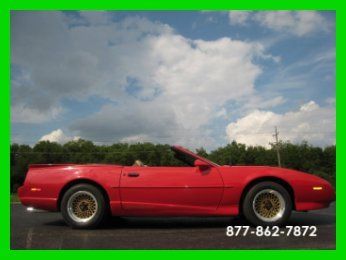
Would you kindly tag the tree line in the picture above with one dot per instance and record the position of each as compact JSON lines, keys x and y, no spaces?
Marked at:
{"x":303,"y":156}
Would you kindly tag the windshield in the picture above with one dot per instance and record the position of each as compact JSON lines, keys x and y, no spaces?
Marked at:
{"x":188,"y":157}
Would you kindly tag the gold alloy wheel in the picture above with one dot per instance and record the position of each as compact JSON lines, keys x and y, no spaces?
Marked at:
{"x":82,"y":206}
{"x":269,"y":205}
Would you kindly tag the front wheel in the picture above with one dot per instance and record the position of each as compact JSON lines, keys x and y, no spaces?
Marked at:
{"x":267,"y":204}
{"x":83,"y":206}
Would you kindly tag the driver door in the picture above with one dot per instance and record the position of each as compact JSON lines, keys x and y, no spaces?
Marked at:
{"x":170,"y":190}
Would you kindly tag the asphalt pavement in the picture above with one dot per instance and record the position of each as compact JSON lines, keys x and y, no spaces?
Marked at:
{"x":47,"y":230}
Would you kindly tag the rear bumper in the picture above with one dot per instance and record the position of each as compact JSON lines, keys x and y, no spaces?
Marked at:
{"x":33,"y":199}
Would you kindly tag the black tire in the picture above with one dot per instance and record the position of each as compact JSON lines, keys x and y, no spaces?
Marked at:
{"x":258,"y":218}
{"x":100,"y":208}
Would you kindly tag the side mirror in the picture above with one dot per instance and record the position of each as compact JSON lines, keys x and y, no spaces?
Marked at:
{"x":200,"y":163}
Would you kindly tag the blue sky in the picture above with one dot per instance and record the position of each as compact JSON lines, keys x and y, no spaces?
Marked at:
{"x":190,"y":78}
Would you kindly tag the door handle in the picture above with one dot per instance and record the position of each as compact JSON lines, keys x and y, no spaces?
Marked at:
{"x":133,"y":174}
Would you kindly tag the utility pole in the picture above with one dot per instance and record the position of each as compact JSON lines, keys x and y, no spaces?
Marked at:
{"x":276,"y":135}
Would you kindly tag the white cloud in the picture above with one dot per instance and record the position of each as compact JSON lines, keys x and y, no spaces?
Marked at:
{"x":300,"y":75}
{"x":135,"y":139}
{"x":116,"y":122}
{"x":162,"y":86}
{"x":272,"y":102}
{"x":22,"y":114}
{"x":58,"y":136}
{"x":182,"y":82}
{"x":197,"y":74}
{"x":311,"y":123}
{"x":238,"y":17}
{"x":299,"y":23}
{"x":221,"y":113}
{"x":259,"y":102}
{"x":331,"y":101}
{"x":96,"y":18}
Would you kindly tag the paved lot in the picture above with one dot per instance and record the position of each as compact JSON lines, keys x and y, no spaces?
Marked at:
{"x":47,"y":230}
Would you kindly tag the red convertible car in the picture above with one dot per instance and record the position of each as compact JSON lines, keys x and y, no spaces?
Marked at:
{"x":86,"y":194}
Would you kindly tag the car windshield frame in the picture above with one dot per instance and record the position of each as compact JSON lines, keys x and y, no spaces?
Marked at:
{"x":185,"y":152}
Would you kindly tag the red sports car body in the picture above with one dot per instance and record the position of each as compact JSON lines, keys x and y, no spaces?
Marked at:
{"x":264,"y":195}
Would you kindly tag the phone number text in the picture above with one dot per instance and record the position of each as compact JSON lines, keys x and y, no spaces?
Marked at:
{"x":273,"y":231}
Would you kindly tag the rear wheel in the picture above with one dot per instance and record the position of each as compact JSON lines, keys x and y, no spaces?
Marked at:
{"x":267,"y":204}
{"x":83,"y":206}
